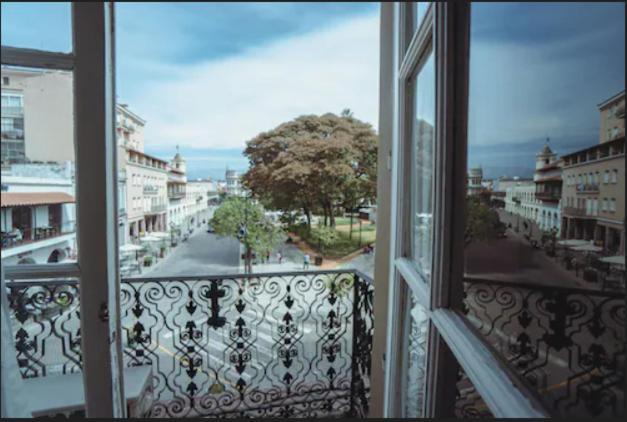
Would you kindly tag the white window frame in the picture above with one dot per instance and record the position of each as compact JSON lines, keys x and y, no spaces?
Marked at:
{"x":452,"y":340}
{"x":92,"y":63}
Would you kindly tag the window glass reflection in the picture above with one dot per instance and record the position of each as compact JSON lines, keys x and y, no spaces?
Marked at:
{"x":422,"y":157}
{"x":545,"y":223}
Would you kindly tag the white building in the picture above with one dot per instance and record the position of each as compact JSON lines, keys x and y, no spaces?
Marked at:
{"x":146,"y":178}
{"x":233,"y":183}
{"x":38,"y":214}
{"x":548,"y":180}
{"x":177,"y":193}
{"x":537,"y":200}
{"x":475,"y":179}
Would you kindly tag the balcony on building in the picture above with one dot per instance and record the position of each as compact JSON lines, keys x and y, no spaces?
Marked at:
{"x":150,"y":190}
{"x":33,"y":217}
{"x":587,"y":188}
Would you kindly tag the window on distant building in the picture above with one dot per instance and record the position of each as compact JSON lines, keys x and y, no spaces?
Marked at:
{"x":613,"y":205}
{"x":606,"y":177}
{"x":614,"y":176}
{"x":605,"y":204}
{"x":5,"y":80}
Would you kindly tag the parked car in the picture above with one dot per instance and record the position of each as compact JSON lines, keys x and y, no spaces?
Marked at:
{"x":210,"y":229}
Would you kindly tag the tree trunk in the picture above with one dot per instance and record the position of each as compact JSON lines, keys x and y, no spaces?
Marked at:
{"x":326,"y":214}
{"x":350,"y":230}
{"x":308,"y":215}
{"x":331,"y":216}
{"x":248,"y":268}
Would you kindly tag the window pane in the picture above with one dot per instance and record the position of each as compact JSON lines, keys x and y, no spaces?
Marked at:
{"x":468,"y":402}
{"x":544,"y":279}
{"x":422,"y":161}
{"x":420,"y":10}
{"x":42,"y":26}
{"x":417,"y":329}
{"x":37,"y":151}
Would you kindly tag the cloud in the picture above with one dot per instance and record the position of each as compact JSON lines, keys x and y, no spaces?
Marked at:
{"x":222,"y":103}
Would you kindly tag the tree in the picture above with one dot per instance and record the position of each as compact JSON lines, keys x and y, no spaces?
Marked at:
{"x":245,"y":219}
{"x":313,"y":163}
{"x":482,"y":223}
{"x":324,"y":237}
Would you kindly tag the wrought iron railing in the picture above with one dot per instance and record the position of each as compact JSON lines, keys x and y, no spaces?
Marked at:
{"x":567,"y":344}
{"x":264,"y":345}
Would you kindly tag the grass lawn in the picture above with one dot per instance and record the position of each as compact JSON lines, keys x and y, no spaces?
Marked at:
{"x":344,"y":245}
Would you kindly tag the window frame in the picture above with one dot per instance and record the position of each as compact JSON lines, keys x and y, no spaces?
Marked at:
{"x":91,"y":61}
{"x":452,"y":339}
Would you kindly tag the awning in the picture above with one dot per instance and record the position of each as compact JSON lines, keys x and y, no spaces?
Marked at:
{"x":25,"y":199}
{"x":618,"y":259}
{"x":573,"y":242}
{"x":587,"y":248}
{"x":129,"y":247}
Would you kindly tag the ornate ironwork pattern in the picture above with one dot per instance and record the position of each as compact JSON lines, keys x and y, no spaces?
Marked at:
{"x":46,"y":317}
{"x":261,"y":345}
{"x":567,"y":344}
{"x":468,"y":402}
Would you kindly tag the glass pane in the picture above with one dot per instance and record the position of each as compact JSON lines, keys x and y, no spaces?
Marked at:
{"x":420,"y":10}
{"x":545,"y":236}
{"x":42,"y":26}
{"x":422,"y":161}
{"x":468,"y":402}
{"x":37,"y":151}
{"x":417,"y":329}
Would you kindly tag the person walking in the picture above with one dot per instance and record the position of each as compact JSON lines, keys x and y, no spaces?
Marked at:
{"x":279,"y":257}
{"x":267,"y":257}
{"x":306,"y":261}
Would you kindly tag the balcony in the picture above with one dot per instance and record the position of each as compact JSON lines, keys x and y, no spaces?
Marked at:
{"x":587,"y":188}
{"x":548,"y":196}
{"x":575,"y":212}
{"x":15,"y":134}
{"x":176,"y":195}
{"x":263,"y":345}
{"x":565,"y":343}
{"x":32,"y":235}
{"x":299,"y":344}
{"x":156,"y":209}
{"x":151,"y":190}
{"x":9,"y":111}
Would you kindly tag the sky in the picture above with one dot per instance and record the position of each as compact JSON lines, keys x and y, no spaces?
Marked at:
{"x":210,"y":76}
{"x":538,"y":70}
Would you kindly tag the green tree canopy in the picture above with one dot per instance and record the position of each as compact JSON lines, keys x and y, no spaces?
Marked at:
{"x":237,"y":213}
{"x":314,"y":162}
{"x":482,"y":223}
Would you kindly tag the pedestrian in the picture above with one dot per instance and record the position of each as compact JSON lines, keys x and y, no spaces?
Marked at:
{"x":268,"y":257}
{"x":306,"y":262}
{"x":279,"y":257}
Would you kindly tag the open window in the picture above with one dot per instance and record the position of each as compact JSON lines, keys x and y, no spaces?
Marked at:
{"x":58,"y":219}
{"x":501,"y":332}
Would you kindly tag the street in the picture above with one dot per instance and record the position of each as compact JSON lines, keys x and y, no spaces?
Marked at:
{"x":202,"y":254}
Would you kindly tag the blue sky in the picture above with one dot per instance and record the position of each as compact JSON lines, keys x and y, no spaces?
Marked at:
{"x":539,"y":70}
{"x":210,"y":76}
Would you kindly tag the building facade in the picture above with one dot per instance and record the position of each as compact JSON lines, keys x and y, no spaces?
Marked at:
{"x":37,"y":116}
{"x":233,"y":183}
{"x":177,"y":193}
{"x":38,"y":214}
{"x":548,"y":181}
{"x":594,"y":185}
{"x":146,"y":178}
{"x":475,"y":179}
